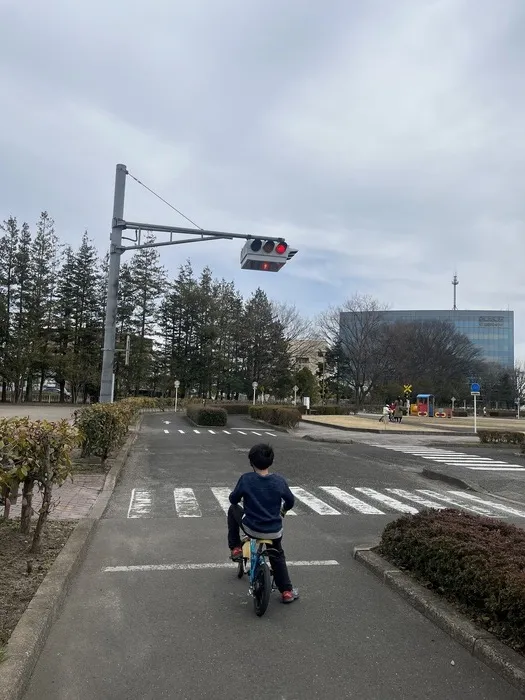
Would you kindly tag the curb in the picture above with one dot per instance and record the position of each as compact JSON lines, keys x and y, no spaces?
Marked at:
{"x":481,"y":644}
{"x":377,"y":431}
{"x":447,"y":479}
{"x":30,"y":634}
{"x":335,"y":441}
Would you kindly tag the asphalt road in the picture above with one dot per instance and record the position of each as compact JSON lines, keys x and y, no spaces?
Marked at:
{"x":177,"y":630}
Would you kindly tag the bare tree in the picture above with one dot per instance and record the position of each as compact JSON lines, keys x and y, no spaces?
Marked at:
{"x":301,"y":338}
{"x":357,"y":328}
{"x":519,"y":380}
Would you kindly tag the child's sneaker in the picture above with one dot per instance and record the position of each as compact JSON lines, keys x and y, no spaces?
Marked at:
{"x":289,"y":596}
{"x":236,"y":554}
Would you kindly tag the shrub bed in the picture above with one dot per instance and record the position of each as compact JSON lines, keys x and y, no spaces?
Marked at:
{"x":459,"y":413}
{"x":477,"y":563}
{"x":276,"y":415}
{"x":207,"y":415}
{"x":104,"y":426}
{"x":234,"y":408}
{"x":503,"y":413}
{"x":508,"y":437}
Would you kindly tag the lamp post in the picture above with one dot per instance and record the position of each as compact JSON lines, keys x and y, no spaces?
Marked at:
{"x":254,"y":386}
{"x":177,"y":384}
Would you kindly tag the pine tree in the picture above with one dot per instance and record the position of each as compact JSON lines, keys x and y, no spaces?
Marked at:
{"x":8,"y":249}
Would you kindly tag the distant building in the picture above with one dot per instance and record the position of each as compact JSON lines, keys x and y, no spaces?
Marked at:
{"x":305,"y":353}
{"x":490,"y":331}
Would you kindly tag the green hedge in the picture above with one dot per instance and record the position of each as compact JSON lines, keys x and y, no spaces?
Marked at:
{"x":509,"y":437}
{"x":276,"y":415}
{"x":459,"y":413}
{"x":475,"y":562}
{"x":328,"y":410}
{"x":104,"y":426}
{"x":503,"y":413}
{"x":234,"y":408}
{"x":207,"y":415}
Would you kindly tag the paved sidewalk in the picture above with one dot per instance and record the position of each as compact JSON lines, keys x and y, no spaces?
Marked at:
{"x":72,"y":501}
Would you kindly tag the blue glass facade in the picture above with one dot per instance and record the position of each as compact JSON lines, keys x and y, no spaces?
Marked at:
{"x":491,"y":331}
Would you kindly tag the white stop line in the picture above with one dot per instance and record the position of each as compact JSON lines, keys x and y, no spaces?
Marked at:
{"x":211,"y":565}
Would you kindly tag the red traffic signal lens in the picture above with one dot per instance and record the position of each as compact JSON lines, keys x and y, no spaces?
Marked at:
{"x":268,"y":246}
{"x":281,"y":248}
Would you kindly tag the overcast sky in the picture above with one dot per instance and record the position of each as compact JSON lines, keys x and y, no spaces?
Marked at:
{"x":383,"y":139}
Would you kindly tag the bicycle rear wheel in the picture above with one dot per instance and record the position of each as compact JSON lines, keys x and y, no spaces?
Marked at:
{"x":262,"y":587}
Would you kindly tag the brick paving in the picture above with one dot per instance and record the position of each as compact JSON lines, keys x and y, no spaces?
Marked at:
{"x":72,"y":501}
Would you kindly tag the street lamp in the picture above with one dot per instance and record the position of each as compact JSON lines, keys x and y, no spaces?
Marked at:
{"x":177,"y":384}
{"x":295,"y":390}
{"x":254,"y":387}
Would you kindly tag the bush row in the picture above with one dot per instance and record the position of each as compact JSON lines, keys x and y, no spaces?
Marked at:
{"x":501,"y":436}
{"x":276,"y":415}
{"x":475,"y":562}
{"x":326,"y":410}
{"x":34,"y":452}
{"x":207,"y":415}
{"x":503,"y":413}
{"x":103,"y":427}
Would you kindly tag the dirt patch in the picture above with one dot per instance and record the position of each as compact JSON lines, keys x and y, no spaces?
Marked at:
{"x":22,"y":573}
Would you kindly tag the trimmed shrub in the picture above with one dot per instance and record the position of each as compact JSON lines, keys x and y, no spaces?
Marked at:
{"x":103,"y":426}
{"x":459,"y":413}
{"x":276,"y":415}
{"x":503,"y":413}
{"x":234,"y":408}
{"x":508,"y":437}
{"x":207,"y":415}
{"x":477,"y":563}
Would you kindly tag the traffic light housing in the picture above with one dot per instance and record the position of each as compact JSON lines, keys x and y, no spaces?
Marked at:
{"x":265,"y":256}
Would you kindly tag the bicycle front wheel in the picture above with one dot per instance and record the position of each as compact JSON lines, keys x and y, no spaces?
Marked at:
{"x":262,"y":587}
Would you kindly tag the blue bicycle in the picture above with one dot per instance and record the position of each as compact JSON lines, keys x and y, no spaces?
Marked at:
{"x":256,"y":562}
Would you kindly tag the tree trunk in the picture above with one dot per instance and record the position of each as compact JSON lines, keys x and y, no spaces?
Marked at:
{"x":29,"y":389}
{"x":27,"y":506}
{"x":41,"y":387}
{"x":42,"y":518}
{"x":62,"y":387}
{"x":4,"y":391}
{"x":7,"y":502}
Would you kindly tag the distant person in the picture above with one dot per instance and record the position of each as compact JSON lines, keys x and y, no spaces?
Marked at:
{"x":262,"y":494}
{"x":386,"y":413}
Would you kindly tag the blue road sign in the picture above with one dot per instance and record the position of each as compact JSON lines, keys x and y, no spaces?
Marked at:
{"x":475,"y":387}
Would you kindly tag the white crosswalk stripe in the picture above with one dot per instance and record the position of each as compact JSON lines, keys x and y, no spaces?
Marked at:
{"x":197,"y":502}
{"x":452,"y":458}
{"x":231,"y":431}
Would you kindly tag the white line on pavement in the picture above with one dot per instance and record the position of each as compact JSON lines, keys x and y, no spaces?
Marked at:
{"x":254,"y":433}
{"x":492,"y":504}
{"x":181,"y":431}
{"x":454,"y":502}
{"x":212,"y":432}
{"x":186,"y":504}
{"x":351,"y":501}
{"x":313,"y":502}
{"x":227,"y":432}
{"x":498,"y":469}
{"x":210,"y":565}
{"x":139,"y":504}
{"x":241,"y":432}
{"x":416,"y":499}
{"x":197,"y":431}
{"x":387,"y":500}
{"x":166,"y":431}
{"x":222,"y":494}
{"x":272,"y":434}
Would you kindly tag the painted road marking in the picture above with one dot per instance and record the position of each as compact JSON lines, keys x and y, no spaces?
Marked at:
{"x":166,"y":431}
{"x":227,"y":432}
{"x":210,"y":565}
{"x":387,"y":500}
{"x":498,"y":469}
{"x":351,"y":501}
{"x":222,"y":494}
{"x":416,"y":498}
{"x":272,"y":434}
{"x":186,"y":504}
{"x":140,"y":504}
{"x":181,"y":431}
{"x":454,"y":502}
{"x":254,"y":433}
{"x":212,"y":432}
{"x":197,"y":431}
{"x":453,"y":458}
{"x":313,"y":502}
{"x":498,"y":506}
{"x":240,"y":431}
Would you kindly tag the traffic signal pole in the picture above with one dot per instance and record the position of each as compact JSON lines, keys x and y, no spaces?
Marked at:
{"x":116,"y":249}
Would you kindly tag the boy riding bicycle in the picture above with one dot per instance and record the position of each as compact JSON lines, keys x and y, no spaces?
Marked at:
{"x":262,"y":494}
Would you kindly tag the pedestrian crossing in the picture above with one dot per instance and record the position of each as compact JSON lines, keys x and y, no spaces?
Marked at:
{"x":452,"y":458}
{"x":216,"y":431}
{"x":198,"y":502}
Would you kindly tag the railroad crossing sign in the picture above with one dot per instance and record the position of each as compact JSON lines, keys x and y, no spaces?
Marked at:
{"x":407,"y":389}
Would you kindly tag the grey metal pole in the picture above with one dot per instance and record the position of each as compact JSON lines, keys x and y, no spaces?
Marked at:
{"x":115,"y":251}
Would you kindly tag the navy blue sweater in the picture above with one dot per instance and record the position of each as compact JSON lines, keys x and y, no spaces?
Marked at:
{"x":262,"y":499}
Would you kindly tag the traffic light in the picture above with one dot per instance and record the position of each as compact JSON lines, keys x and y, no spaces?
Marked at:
{"x":266,"y":256}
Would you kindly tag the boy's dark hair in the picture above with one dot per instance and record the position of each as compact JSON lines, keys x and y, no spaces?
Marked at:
{"x":261,"y":456}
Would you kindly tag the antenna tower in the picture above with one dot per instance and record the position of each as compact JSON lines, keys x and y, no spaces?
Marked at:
{"x":455,"y":283}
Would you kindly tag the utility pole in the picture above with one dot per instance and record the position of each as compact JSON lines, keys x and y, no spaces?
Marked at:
{"x":455,"y":283}
{"x":118,"y":225}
